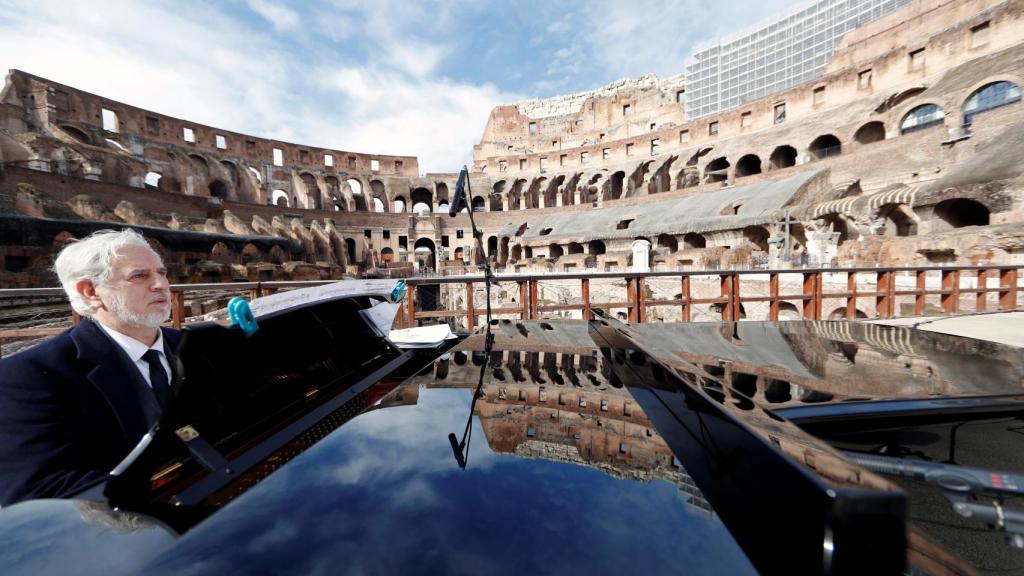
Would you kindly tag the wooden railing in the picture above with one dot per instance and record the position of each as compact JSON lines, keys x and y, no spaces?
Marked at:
{"x":731,"y":298}
{"x":951,"y":294}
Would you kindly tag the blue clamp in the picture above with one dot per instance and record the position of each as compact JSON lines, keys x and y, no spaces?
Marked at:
{"x":241,"y":316}
{"x":399,"y":292}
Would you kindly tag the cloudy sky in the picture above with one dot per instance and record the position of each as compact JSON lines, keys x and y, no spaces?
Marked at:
{"x":383,"y":76}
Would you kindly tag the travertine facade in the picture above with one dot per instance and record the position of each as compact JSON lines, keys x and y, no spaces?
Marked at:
{"x":907,"y":150}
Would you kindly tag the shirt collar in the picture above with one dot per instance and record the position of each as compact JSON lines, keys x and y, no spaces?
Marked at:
{"x":131,"y":346}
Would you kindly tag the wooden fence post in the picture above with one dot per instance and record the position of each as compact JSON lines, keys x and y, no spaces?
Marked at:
{"x":585,"y":294}
{"x":1008,"y":289}
{"x":470,"y":311}
{"x":685,"y":295}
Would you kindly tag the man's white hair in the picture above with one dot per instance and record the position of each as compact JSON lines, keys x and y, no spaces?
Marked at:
{"x":92,"y":258}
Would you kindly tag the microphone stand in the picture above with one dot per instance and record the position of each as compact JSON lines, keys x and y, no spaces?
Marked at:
{"x":461,"y":449}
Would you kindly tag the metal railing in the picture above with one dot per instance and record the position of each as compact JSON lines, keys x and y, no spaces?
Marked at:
{"x":954,"y":289}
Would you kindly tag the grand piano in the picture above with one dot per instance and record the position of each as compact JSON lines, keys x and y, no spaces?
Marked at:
{"x":315,"y":444}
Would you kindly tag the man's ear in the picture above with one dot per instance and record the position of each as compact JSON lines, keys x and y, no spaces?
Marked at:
{"x":86,"y":289}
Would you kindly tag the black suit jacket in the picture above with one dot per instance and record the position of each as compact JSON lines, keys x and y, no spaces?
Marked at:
{"x":71,"y":408}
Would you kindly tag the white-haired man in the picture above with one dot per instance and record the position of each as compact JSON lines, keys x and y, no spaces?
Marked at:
{"x":72,"y":407}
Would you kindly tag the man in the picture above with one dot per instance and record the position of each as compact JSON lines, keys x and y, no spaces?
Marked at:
{"x":72,"y":407}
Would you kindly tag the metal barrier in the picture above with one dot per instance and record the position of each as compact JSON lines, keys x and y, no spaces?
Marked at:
{"x":957,"y":289}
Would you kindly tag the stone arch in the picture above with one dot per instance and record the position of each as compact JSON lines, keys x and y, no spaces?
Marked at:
{"x":870,"y":132}
{"x":218,"y":189}
{"x":311,"y":198}
{"x":555,"y":250}
{"x":589,"y":191}
{"x":575,"y":248}
{"x":387,"y":254}
{"x":335,"y":194}
{"x":234,"y":176}
{"x":399,"y":205}
{"x":757,"y":236}
{"x":251,"y":254}
{"x":636,"y":180}
{"x":825,"y":146}
{"x":441,"y":191}
{"x":497,"y":192}
{"x":533,"y":193}
{"x":843,"y":225}
{"x":782,"y":157}
{"x":840,"y":314}
{"x":492,"y":247}
{"x":76,"y":133}
{"x":423,"y":252}
{"x":661,"y":180}
{"x":422,"y":201}
{"x":515,"y":194}
{"x":569,"y":189}
{"x":788,"y":311}
{"x":350,"y":248}
{"x":989,"y":97}
{"x":693,"y":240}
{"x":479,"y":204}
{"x":900,"y":220}
{"x":221,"y":253}
{"x":596,"y":247}
{"x":517,"y":253}
{"x":717,"y":170}
{"x":748,"y":165}
{"x":960,"y":212}
{"x":279,"y":198}
{"x":379,"y":192}
{"x":922,"y":117}
{"x":355,"y":195}
{"x":668,"y":242}
{"x":503,"y":251}
{"x":551,"y":192}
{"x":378,"y":205}
{"x":277,"y":255}
{"x":199,"y":163}
{"x":613,"y":186}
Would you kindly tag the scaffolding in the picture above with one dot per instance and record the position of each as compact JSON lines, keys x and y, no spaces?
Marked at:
{"x":776,"y":56}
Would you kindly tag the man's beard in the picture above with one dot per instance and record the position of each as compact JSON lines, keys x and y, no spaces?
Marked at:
{"x":118,"y":308}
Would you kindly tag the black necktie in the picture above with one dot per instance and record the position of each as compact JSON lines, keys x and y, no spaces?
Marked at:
{"x":158,"y":377}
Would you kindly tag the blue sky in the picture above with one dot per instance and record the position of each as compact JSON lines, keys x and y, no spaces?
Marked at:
{"x":382,"y":76}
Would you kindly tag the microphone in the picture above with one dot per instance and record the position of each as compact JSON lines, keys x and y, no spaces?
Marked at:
{"x":459,"y":199}
{"x":457,"y":450}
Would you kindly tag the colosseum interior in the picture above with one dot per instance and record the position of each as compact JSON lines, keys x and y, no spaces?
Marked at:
{"x":907,"y":150}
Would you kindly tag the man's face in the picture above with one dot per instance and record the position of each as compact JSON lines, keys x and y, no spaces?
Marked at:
{"x":138,"y":292}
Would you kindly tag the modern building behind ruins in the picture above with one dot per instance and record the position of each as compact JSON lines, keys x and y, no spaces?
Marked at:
{"x":778,"y":56}
{"x":905,"y":148}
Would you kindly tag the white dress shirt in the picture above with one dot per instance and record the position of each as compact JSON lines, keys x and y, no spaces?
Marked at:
{"x":135,"y":349}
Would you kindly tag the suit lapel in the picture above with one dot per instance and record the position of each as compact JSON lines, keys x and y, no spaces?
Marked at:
{"x":116,"y":379}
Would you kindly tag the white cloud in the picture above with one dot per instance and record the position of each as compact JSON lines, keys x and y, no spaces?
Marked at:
{"x":280,"y":17}
{"x":196,"y":62}
{"x":437,"y":119}
{"x":359,"y":75}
